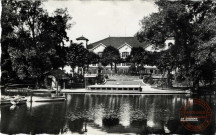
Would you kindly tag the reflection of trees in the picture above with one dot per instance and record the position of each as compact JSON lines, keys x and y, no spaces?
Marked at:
{"x":47,"y":118}
{"x":107,"y":110}
{"x":173,"y":125}
{"x":12,"y":122}
{"x":140,"y":123}
{"x":76,"y":125}
{"x":110,"y":122}
{"x":139,"y":108}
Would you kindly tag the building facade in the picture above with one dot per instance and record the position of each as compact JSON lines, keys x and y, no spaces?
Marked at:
{"x":124,"y":45}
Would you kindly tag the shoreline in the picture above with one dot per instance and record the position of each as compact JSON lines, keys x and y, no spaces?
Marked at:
{"x":145,"y":90}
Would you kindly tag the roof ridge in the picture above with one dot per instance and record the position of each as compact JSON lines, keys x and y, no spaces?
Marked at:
{"x":99,"y":41}
{"x":118,"y":41}
{"x":110,"y":37}
{"x":123,"y":37}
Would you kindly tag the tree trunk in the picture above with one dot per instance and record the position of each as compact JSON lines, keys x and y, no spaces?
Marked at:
{"x":111,"y":66}
{"x":84,"y":70}
{"x":115,"y":68}
{"x":36,"y":83}
{"x":169,"y":79}
{"x":196,"y":84}
{"x":72,"y":71}
{"x":57,"y":87}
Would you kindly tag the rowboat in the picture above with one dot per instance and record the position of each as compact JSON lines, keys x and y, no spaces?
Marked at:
{"x":14,"y":100}
{"x":46,"y":99}
{"x":17,"y":100}
{"x":5,"y":100}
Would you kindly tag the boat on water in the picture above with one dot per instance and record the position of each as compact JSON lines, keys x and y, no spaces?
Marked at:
{"x":17,"y":100}
{"x":14,"y":100}
{"x":5,"y":100}
{"x":47,"y":99}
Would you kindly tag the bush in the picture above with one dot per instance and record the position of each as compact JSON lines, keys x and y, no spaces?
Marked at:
{"x":132,"y":70}
{"x":148,"y":79}
{"x":180,"y":78}
{"x":145,"y":79}
{"x":78,"y":78}
{"x":106,"y":76}
{"x":100,"y":79}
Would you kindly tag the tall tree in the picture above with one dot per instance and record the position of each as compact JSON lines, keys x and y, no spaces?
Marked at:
{"x":71,"y":55}
{"x":36,"y":35}
{"x":8,"y":23}
{"x":191,"y":23}
{"x":79,"y":56}
{"x":136,"y":56}
{"x":93,"y":58}
{"x":111,"y":55}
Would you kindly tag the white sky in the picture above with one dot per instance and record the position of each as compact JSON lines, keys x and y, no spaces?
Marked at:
{"x":97,"y":20}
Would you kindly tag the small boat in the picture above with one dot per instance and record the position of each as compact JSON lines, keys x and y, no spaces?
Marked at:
{"x":13,"y":107}
{"x":5,"y":100}
{"x":17,"y":100}
{"x":47,"y":99}
{"x":14,"y":100}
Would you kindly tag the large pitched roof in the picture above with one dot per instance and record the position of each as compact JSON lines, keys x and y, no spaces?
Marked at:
{"x":117,"y":42}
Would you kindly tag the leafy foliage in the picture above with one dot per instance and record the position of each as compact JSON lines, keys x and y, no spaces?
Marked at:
{"x":110,"y":55}
{"x":31,"y":38}
{"x":79,"y":56}
{"x":192,"y":24}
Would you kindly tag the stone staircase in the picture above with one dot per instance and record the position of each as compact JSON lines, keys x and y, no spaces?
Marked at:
{"x":123,"y":78}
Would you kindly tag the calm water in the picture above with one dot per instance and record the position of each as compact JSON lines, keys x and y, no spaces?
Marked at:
{"x":102,"y":114}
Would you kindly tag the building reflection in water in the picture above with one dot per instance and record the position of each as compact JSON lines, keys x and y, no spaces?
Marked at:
{"x":101,"y":114}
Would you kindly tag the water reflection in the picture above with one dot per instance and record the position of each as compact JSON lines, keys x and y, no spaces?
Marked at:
{"x":48,"y":118}
{"x":101,"y":114}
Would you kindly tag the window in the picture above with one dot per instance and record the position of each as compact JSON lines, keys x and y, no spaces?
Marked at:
{"x":128,"y":64}
{"x":125,"y":54}
{"x":125,"y":71}
{"x":100,"y":54}
{"x":94,"y":64}
{"x":124,"y":64}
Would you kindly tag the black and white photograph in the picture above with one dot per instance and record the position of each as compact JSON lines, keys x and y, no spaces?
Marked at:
{"x":108,"y":67}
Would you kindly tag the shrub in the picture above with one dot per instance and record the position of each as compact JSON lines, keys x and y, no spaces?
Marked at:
{"x":132,"y":70}
{"x":100,"y":79}
{"x":148,"y":79}
{"x":106,"y":76}
{"x":78,"y":78}
{"x":145,"y":79}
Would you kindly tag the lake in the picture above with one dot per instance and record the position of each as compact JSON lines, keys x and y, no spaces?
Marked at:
{"x":101,"y":114}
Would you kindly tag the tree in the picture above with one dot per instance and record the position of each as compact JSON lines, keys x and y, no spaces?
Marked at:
{"x":93,"y":58}
{"x":191,"y":23}
{"x":79,"y":56}
{"x":71,"y":55}
{"x":8,"y":23}
{"x":32,"y":47}
{"x":110,"y":55}
{"x":132,"y":69}
{"x":136,"y":56}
